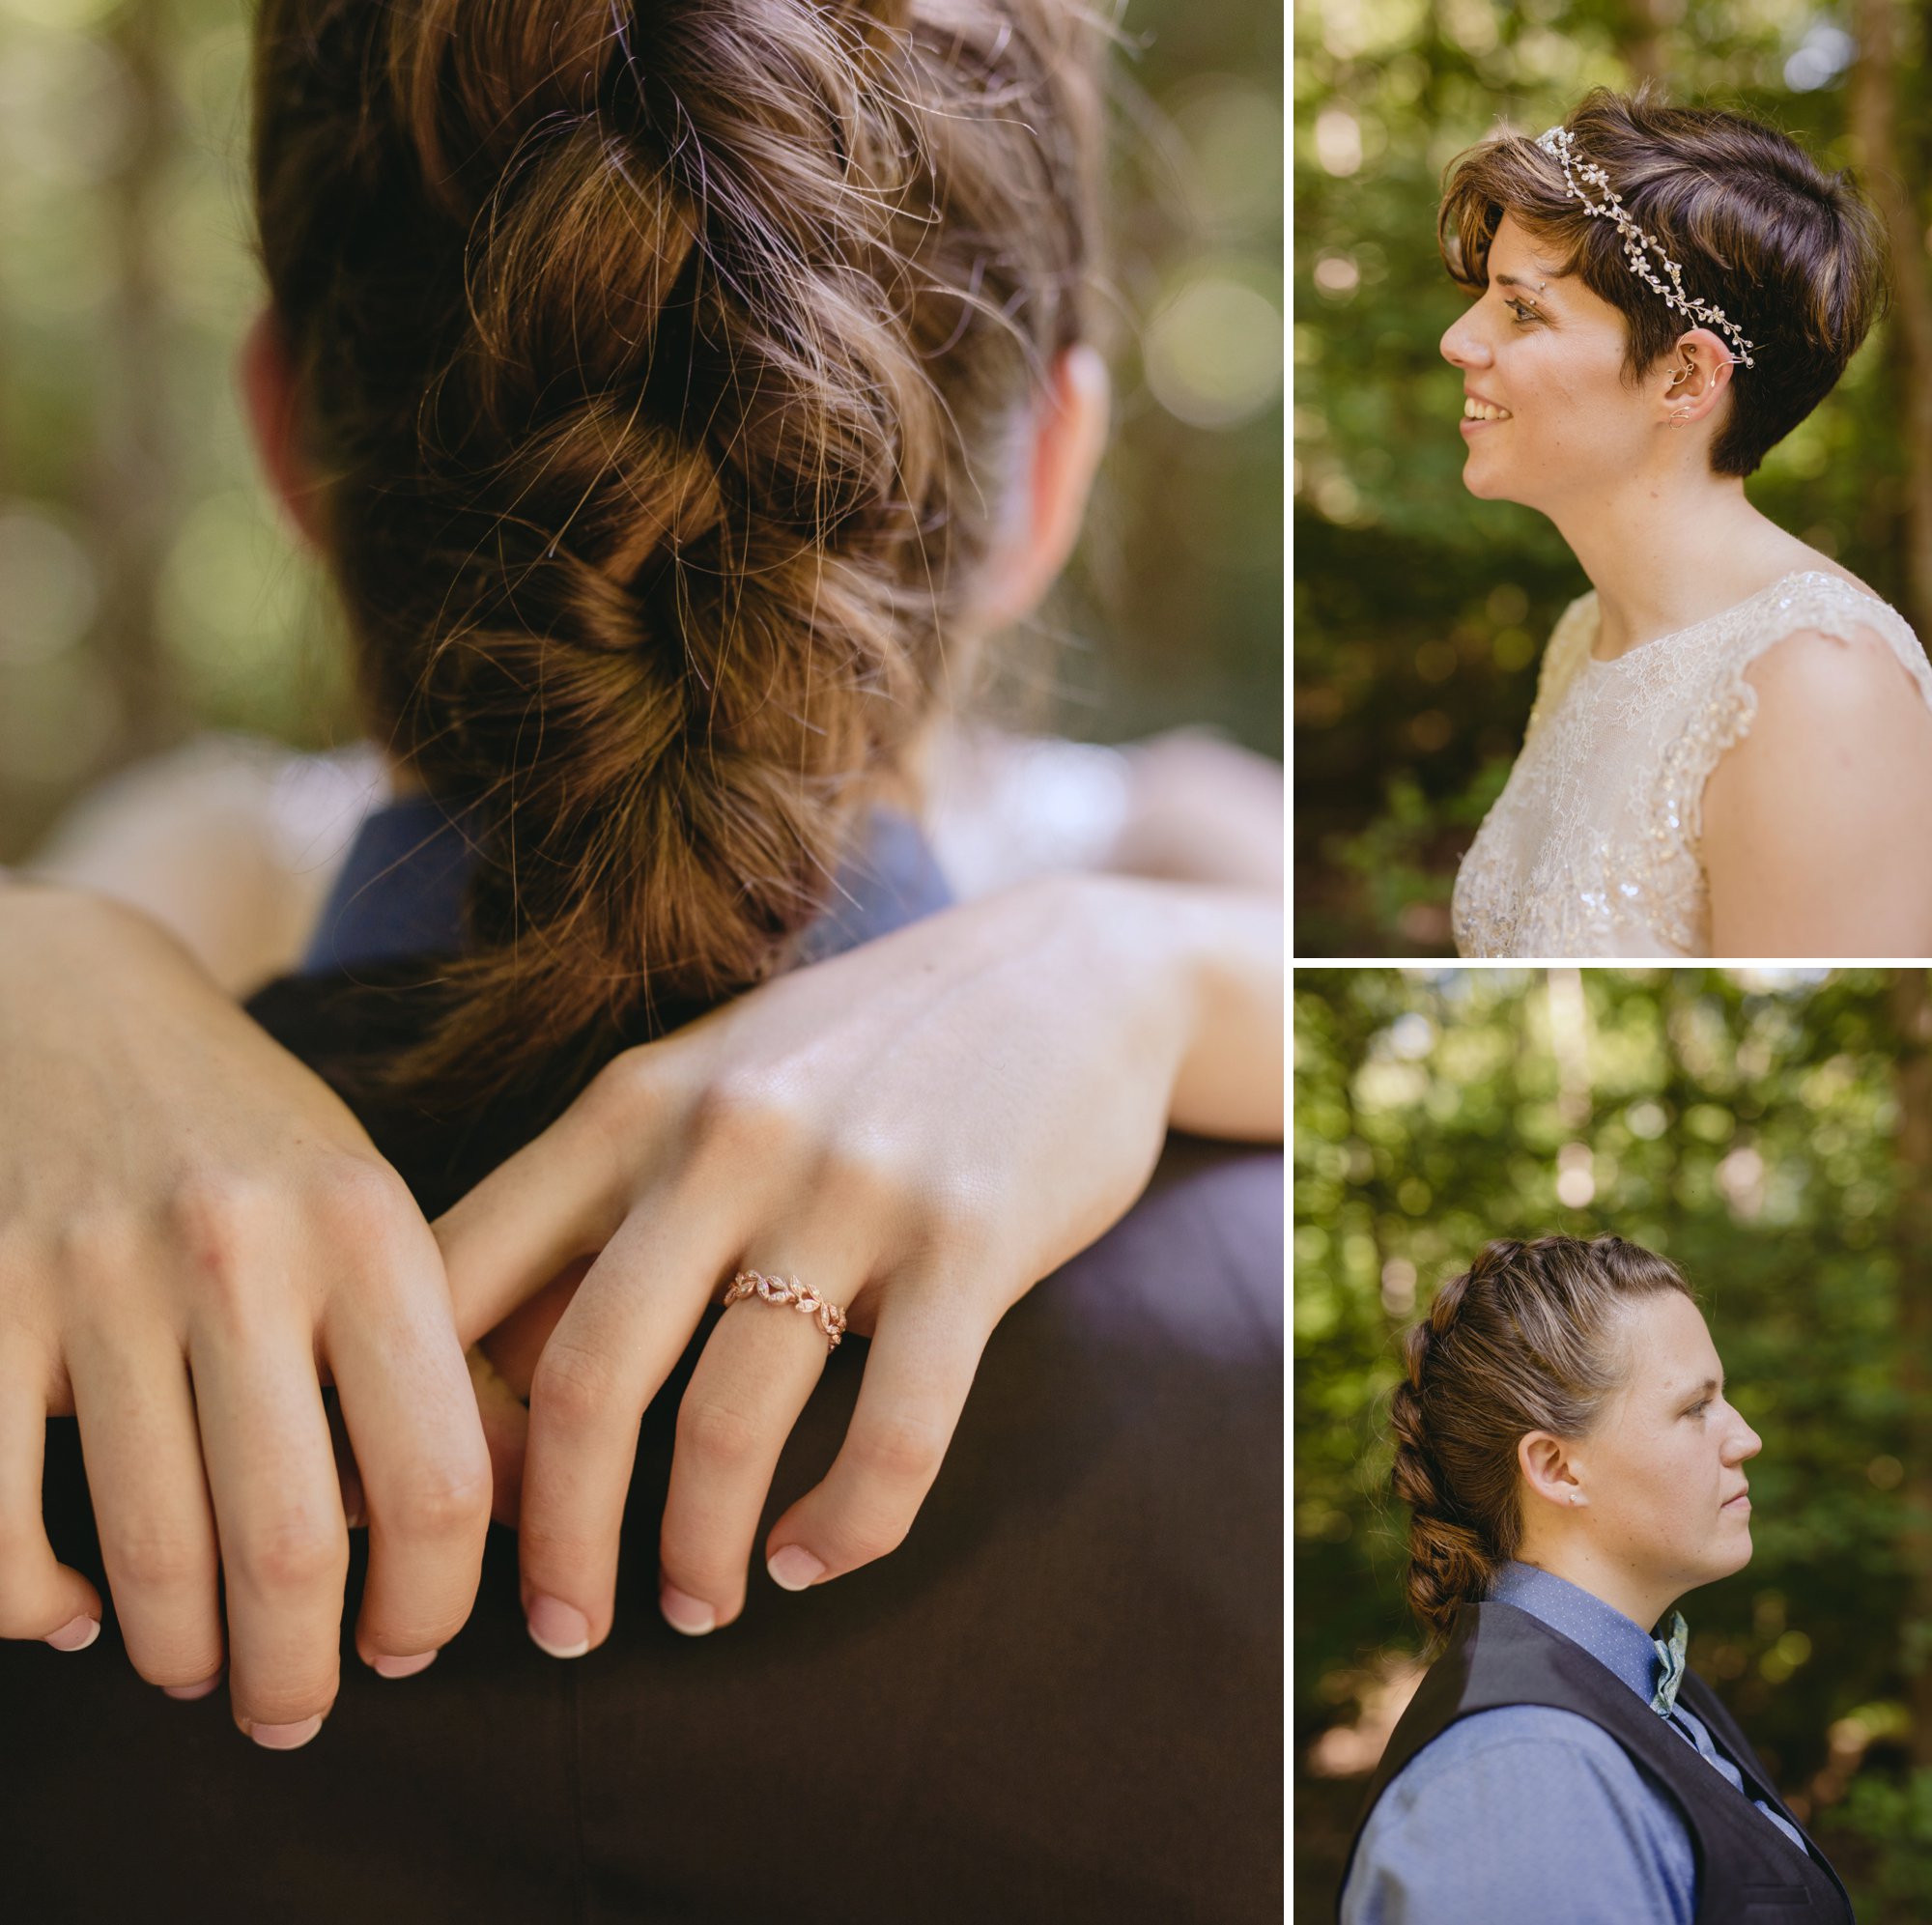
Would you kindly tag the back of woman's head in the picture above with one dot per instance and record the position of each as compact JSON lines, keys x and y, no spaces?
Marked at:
{"x":1527,"y":1338}
{"x":1791,"y":254}
{"x":659,"y":373}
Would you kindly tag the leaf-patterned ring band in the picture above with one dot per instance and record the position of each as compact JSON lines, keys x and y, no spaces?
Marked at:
{"x":789,"y":1290}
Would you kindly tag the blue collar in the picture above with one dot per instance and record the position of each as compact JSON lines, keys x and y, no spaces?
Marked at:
{"x":401,"y":888}
{"x":1619,"y":1644}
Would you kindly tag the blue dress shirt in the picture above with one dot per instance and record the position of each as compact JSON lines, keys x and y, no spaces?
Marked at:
{"x":1530,"y":1812}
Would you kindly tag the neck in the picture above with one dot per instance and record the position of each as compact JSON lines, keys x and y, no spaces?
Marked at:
{"x":1668,"y":549}
{"x":1579,"y":1563}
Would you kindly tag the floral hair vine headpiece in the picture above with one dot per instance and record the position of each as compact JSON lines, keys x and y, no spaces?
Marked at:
{"x":1559,"y":142}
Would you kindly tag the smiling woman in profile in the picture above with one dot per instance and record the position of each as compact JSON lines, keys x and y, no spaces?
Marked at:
{"x":1572,"y":1467}
{"x":1730,"y":751}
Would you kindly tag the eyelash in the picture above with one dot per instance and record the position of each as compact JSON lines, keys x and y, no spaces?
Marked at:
{"x":1519,"y":310}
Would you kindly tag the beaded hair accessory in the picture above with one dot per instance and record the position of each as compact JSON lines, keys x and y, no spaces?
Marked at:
{"x":1559,"y":142}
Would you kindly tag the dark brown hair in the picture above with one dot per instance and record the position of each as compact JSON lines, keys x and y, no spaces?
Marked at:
{"x":1526,"y":1339}
{"x":658,"y":369}
{"x":1794,"y":255}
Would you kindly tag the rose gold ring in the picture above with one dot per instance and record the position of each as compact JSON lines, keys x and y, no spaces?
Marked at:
{"x":789,"y":1290}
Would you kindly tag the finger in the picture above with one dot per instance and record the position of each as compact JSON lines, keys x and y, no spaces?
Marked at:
{"x":411,"y":1413}
{"x":611,"y":1349}
{"x":39,"y":1596}
{"x":143,"y":1456}
{"x":278,"y":1521}
{"x":354,"y":1504}
{"x":920,"y":1365}
{"x":506,"y":1425}
{"x":758,"y":1368}
{"x":560,"y":1197}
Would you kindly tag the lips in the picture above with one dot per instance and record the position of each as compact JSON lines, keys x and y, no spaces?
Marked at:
{"x":1741,"y":1497}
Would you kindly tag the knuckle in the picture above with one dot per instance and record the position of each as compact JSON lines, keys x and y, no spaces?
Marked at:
{"x":215,"y":1220}
{"x":366,"y":1204}
{"x":901,"y":1450}
{"x":97,"y":1245}
{"x":155,"y":1561}
{"x":448,"y":1502}
{"x":573,"y":1385}
{"x":718,"y":1433}
{"x":295,"y":1555}
{"x":745,"y":1114}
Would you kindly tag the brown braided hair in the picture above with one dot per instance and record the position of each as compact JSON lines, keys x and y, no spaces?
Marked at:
{"x":1526,"y":1339}
{"x":658,"y":372}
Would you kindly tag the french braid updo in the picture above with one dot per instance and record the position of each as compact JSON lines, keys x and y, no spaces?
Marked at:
{"x":1526,"y":1339}
{"x":656,"y":372}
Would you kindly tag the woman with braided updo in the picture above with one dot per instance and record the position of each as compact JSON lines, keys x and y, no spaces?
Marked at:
{"x":681,"y":399}
{"x":1571,"y":1467}
{"x":1730,"y":752}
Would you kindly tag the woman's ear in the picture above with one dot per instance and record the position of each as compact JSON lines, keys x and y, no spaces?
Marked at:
{"x":268,"y":400}
{"x":1068,"y":433}
{"x":1549,"y":1470}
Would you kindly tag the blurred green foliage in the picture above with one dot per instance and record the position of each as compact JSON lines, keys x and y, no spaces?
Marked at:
{"x":1420,"y":612}
{"x":152,"y":590}
{"x":1743,"y":1124}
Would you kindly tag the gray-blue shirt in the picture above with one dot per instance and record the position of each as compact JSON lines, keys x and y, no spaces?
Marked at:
{"x":1530,"y":1812}
{"x":400,"y":891}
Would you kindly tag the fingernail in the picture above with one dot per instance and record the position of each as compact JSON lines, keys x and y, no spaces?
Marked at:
{"x":558,"y":1628}
{"x":402,"y":1667}
{"x":286,"y":1736}
{"x":192,"y":1691}
{"x":77,"y":1635}
{"x":689,"y":1615}
{"x":793,"y":1568}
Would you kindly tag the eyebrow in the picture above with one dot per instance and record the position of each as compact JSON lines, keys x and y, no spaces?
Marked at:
{"x":1708,"y":1388}
{"x":1516,"y":281}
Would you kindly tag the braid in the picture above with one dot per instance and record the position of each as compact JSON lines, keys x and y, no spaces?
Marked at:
{"x":1449,"y":1564}
{"x":1522,"y":1340}
{"x":656,"y":364}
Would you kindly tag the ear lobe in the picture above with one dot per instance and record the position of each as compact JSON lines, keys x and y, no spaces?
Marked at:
{"x":268,"y":400}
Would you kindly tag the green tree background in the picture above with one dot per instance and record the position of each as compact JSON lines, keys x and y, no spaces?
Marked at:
{"x":151,"y":590}
{"x":1772,"y":1134}
{"x":1420,"y":612}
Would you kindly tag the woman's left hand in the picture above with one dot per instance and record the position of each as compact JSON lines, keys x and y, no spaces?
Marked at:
{"x":919,"y":1130}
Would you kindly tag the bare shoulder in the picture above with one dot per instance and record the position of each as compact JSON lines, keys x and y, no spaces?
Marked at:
{"x":1817,"y":674}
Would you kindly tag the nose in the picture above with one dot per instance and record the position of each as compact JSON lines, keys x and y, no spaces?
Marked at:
{"x":1744,"y":1443}
{"x":1461,"y":342}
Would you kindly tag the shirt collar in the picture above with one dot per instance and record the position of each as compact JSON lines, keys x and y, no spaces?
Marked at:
{"x":1619,"y":1644}
{"x":401,"y":888}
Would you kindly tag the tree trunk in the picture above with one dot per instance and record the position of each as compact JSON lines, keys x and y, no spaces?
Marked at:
{"x":1874,"y":126}
{"x":1912,"y":1245}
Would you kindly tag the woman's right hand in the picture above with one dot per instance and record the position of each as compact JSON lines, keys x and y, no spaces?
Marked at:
{"x":195,"y":1235}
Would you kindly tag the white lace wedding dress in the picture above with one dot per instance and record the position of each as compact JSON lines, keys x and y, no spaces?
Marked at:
{"x":1591,"y":849}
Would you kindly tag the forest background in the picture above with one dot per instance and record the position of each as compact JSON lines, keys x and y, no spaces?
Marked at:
{"x":151,"y":593}
{"x":1420,"y":612}
{"x":1770,"y":1133}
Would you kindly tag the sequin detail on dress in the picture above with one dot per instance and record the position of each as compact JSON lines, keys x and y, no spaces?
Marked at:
{"x":1591,"y":849}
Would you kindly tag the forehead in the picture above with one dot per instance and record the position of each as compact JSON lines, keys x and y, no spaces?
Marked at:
{"x":1514,"y":256}
{"x":1669,"y":1345}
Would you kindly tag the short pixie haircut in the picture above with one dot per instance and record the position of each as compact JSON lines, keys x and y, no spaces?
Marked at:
{"x":1793,"y":255}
